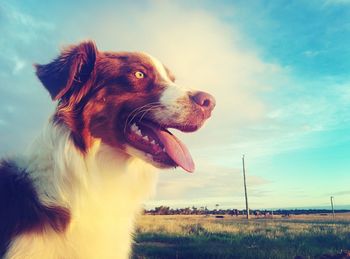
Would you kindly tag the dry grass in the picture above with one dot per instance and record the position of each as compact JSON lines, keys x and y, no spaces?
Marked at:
{"x":181,"y":236}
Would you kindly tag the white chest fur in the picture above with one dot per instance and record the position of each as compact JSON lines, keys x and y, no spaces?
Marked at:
{"x":103,"y":190}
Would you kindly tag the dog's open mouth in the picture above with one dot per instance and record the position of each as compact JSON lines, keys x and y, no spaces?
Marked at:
{"x":159,"y":144}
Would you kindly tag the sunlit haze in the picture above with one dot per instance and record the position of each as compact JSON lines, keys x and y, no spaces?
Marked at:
{"x":279,"y":71}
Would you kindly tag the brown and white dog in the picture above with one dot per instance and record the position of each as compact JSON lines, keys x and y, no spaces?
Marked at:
{"x":77,"y":191}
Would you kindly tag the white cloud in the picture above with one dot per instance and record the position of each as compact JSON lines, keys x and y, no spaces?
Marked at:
{"x":210,"y":184}
{"x":203,"y":52}
{"x":19,"y":64}
{"x":311,"y":53}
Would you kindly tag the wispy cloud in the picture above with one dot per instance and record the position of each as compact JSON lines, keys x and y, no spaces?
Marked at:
{"x":24,"y":38}
{"x":311,"y":53}
{"x":340,"y":193}
{"x":208,"y":184}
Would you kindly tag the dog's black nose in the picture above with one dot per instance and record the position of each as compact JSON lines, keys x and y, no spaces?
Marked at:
{"x":204,"y":100}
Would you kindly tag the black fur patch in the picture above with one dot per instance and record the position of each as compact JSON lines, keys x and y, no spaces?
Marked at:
{"x":20,"y":208}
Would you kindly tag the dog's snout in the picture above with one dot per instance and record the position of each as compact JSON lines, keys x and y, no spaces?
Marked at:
{"x":204,"y":100}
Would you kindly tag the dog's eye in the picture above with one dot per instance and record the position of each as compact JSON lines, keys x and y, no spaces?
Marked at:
{"x":139,"y":75}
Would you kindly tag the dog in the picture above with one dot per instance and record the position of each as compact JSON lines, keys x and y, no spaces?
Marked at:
{"x":78,"y":189}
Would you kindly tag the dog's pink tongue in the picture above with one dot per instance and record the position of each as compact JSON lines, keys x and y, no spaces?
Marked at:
{"x":176,"y":150}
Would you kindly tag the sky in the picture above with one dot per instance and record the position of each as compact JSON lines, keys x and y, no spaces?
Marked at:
{"x":279,"y":71}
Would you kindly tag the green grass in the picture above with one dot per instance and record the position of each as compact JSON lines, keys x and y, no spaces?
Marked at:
{"x":207,"y":237}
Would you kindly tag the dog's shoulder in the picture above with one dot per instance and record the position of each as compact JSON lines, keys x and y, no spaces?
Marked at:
{"x":15,"y":192}
{"x":20,"y":209}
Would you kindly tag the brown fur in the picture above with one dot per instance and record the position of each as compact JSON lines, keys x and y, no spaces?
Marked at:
{"x":99,"y":86}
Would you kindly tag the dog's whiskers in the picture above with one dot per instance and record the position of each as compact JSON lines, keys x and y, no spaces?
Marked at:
{"x":148,"y":110}
{"x":137,"y":111}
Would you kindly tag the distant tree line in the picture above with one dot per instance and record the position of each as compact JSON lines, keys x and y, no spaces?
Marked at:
{"x":165,"y":210}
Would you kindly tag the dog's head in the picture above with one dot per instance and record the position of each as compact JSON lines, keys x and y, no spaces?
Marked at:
{"x":126,"y":99}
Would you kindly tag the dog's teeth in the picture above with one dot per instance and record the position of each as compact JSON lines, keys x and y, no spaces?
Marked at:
{"x":145,"y":138}
{"x":149,"y":156}
{"x":153,"y":142}
{"x":163,"y":149}
{"x":134,"y":127}
{"x":138,"y":132}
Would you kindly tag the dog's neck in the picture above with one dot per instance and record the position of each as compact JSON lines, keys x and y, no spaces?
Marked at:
{"x":63,"y":175}
{"x":103,"y":191}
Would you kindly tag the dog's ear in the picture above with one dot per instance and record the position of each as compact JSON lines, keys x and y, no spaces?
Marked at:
{"x":69,"y":71}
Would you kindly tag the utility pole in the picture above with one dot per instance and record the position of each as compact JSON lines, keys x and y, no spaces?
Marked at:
{"x":245,"y":189}
{"x":332,"y":204}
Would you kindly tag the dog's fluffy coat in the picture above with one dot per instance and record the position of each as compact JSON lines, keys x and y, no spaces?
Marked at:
{"x":77,"y":191}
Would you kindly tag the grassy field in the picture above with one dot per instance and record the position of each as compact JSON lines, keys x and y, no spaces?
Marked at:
{"x":234,"y":237}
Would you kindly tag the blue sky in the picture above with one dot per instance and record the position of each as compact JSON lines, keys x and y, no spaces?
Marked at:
{"x":278,"y":69}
